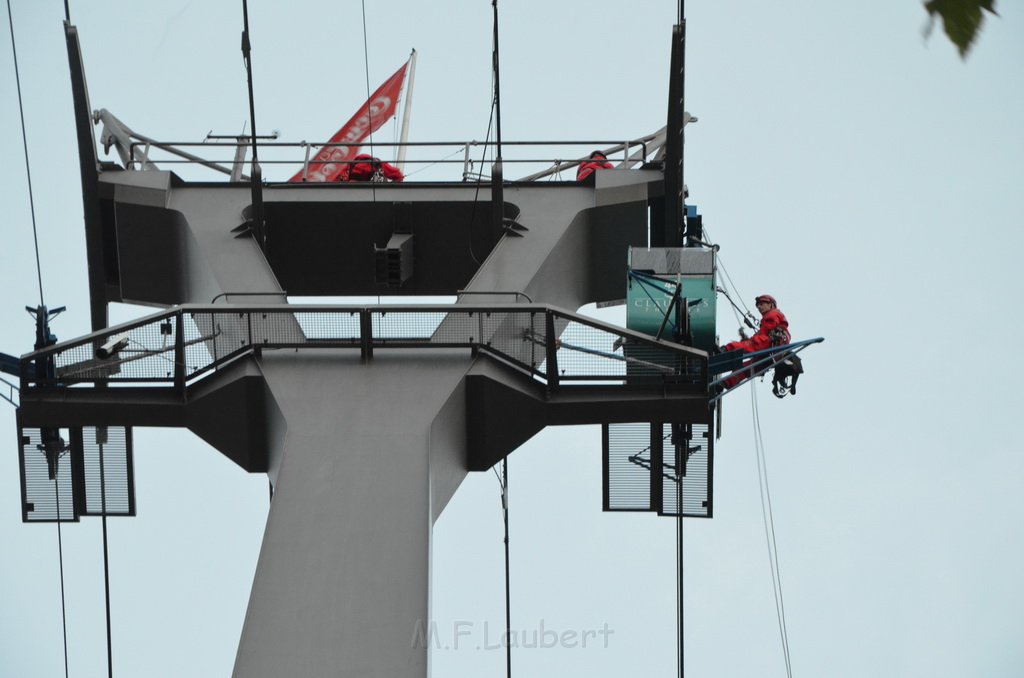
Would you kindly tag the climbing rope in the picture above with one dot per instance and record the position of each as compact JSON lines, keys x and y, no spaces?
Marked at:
{"x":769,"y":530}
{"x":435,"y":163}
{"x":720,"y":263}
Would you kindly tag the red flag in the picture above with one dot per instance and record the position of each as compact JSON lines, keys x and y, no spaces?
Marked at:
{"x":381,"y":107}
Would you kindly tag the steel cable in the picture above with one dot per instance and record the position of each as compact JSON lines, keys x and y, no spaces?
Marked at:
{"x":24,"y":141}
{"x":42,"y":303}
{"x":769,"y":529}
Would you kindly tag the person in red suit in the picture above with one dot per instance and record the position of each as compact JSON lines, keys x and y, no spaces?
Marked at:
{"x":772,"y":331}
{"x":597,"y":161}
{"x":365,"y":167}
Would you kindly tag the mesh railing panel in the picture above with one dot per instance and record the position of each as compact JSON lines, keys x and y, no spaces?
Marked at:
{"x":696,"y":483}
{"x":116,"y":486}
{"x":627,"y":485}
{"x":401,"y":326}
{"x":519,"y":337}
{"x":146,"y":353}
{"x":628,"y":469}
{"x":329,"y":326}
{"x":46,"y":499}
{"x":69,"y":478}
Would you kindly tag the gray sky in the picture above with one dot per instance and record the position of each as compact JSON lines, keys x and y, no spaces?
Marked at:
{"x":865,"y":176}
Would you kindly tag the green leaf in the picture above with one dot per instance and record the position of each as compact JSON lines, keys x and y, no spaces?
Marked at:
{"x":961,"y":20}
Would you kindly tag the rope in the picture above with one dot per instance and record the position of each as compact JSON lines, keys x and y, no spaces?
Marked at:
{"x":736,"y":311}
{"x":721,"y":264}
{"x":435,"y":163}
{"x":24,"y":141}
{"x":769,"y":530}
{"x":728,"y":278}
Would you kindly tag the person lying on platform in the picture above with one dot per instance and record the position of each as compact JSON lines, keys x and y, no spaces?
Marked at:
{"x":365,"y":167}
{"x":597,"y":161}
{"x":772,"y":331}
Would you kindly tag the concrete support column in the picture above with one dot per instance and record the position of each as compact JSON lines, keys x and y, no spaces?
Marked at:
{"x":371,"y":454}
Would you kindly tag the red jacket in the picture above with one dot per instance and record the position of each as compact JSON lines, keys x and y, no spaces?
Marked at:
{"x":368,"y":168}
{"x":762,"y":338}
{"x":588,"y":167}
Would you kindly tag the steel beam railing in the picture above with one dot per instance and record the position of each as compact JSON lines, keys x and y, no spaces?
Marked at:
{"x":553,"y":346}
{"x":136,"y":153}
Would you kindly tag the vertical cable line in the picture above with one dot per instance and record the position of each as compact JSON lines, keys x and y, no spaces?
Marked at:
{"x":497,"y":86}
{"x":769,"y":530}
{"x":487,"y":137}
{"x":679,"y":564}
{"x":24,"y":141}
{"x":247,"y":56}
{"x":503,"y":484}
{"x":60,"y":555}
{"x":369,"y":104}
{"x":680,"y":461}
{"x":106,"y":557}
{"x":42,"y":305}
{"x":259,"y":224}
{"x":508,"y":581}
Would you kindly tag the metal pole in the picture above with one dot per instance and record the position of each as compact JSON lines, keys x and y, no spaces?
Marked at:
{"x":247,"y":56}
{"x":259,"y":227}
{"x":400,"y":161}
{"x":508,"y":592}
{"x":100,"y":439}
{"x":679,"y":556}
{"x":497,"y":83}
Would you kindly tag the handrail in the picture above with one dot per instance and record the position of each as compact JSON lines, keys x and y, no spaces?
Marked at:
{"x":633,"y":151}
{"x":552,"y":345}
{"x":282,"y":293}
{"x":517,"y":293}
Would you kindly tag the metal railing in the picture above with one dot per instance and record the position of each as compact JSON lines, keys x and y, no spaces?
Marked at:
{"x":179,"y":346}
{"x":747,"y":366}
{"x":626,"y":153}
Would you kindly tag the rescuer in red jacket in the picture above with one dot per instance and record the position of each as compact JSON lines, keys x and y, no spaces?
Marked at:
{"x":597,"y":161}
{"x":365,"y":167}
{"x":773,"y":331}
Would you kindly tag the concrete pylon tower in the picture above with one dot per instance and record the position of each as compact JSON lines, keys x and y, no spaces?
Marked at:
{"x":365,"y":419}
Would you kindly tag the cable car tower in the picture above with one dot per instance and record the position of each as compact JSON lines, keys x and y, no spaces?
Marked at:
{"x":367,"y":418}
